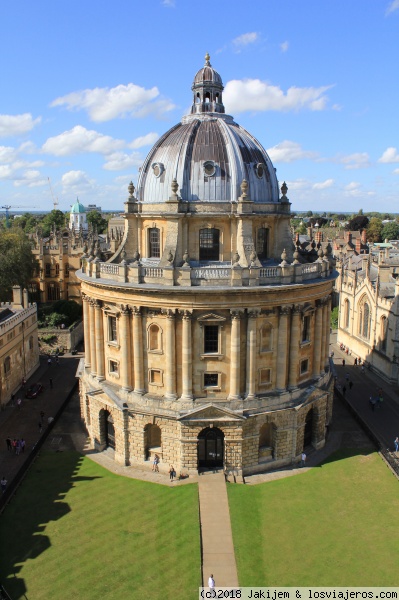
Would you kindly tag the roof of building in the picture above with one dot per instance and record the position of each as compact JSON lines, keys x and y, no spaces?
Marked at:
{"x":208,"y":154}
{"x":78,"y":207}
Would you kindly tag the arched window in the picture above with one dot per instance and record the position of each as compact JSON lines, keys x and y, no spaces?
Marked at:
{"x":265,"y":435}
{"x":207,"y":97}
{"x":266,"y":334}
{"x":262,"y":239}
{"x":383,"y":333}
{"x":209,"y":244}
{"x":346,"y":313}
{"x":57,"y":270}
{"x":154,"y":338}
{"x":7,"y":365}
{"x":198,"y":99}
{"x":366,"y":320}
{"x":53,"y":292}
{"x":154,"y":242}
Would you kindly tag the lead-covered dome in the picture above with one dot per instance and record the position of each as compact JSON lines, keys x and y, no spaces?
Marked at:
{"x":208,"y":154}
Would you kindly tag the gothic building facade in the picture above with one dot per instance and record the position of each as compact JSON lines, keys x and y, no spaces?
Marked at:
{"x":206,"y":338}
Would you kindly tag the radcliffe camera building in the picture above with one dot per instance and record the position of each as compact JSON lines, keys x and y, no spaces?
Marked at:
{"x":206,"y":338}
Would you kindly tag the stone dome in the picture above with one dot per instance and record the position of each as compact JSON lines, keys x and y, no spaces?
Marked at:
{"x":77,"y":207}
{"x":208,"y":154}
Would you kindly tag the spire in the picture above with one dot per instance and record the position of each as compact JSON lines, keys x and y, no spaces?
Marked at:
{"x":207,"y":88}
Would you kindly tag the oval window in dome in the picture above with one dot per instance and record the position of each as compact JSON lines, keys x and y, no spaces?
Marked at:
{"x":209,"y":168}
{"x":157,"y":169}
{"x":260,"y":170}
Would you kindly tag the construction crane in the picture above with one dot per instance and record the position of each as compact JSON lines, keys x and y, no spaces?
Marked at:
{"x":55,"y":200}
{"x":7,"y":209}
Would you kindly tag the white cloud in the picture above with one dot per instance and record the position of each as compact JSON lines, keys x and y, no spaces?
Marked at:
{"x":104,"y":104}
{"x":396,"y":171}
{"x":78,"y":140}
{"x":76,"y":180}
{"x":358,"y":160}
{"x":169,"y":3}
{"x":391,"y":155}
{"x":255,"y":95}
{"x":284,"y":46}
{"x":144,"y":140}
{"x":323,"y":184}
{"x":394,"y":5}
{"x":288,"y":151}
{"x":119,"y":161}
{"x":5,"y":172}
{"x":244,"y":40}
{"x":7,"y":154}
{"x":17,"y":124}
{"x":30,"y":178}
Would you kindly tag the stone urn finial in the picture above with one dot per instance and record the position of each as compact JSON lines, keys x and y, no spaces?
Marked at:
{"x":136,"y":256}
{"x":186,"y":258}
{"x":284,"y":190}
{"x":244,"y":189}
{"x":284,"y":258}
{"x":170,"y":257}
{"x":236,"y":258}
{"x":123,"y":256}
{"x":253,"y":257}
{"x":174,"y":186}
{"x":207,"y":59}
{"x":131,"y":189}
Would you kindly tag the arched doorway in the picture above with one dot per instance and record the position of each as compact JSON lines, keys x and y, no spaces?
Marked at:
{"x":152,"y":440}
{"x":108,"y":429}
{"x":307,"y":436}
{"x":210,"y":448}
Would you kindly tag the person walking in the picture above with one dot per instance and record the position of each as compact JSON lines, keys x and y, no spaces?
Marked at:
{"x":211,"y":582}
{"x":14,"y":445}
{"x":303,"y":459}
{"x":49,"y":361}
{"x":19,"y":402}
{"x":372,"y":403}
{"x":3,"y":484}
{"x":155,"y":464}
{"x":344,"y":391}
{"x":9,"y":445}
{"x":22,"y":442}
{"x":396,"y":442}
{"x":343,"y":362}
{"x":18,"y":447}
{"x":172,"y":473}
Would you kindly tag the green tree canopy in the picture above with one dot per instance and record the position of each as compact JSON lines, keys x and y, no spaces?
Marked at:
{"x":357,"y":223}
{"x":27,"y":222}
{"x":374,"y":230}
{"x":55,"y":217}
{"x":17,"y":262}
{"x":97,"y":220}
{"x":390,"y":231}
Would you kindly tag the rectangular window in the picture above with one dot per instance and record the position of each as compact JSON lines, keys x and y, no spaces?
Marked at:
{"x":66,"y":269}
{"x":304,"y":366}
{"x":211,"y":380}
{"x":155,"y":376}
{"x":155,"y":242}
{"x":264,"y":376}
{"x":112,"y":332}
{"x":113,"y":366}
{"x":306,"y":329}
{"x":48,"y":270}
{"x":211,"y":339}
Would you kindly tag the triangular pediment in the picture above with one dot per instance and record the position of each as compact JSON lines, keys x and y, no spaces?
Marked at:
{"x":211,"y":412}
{"x":211,"y":317}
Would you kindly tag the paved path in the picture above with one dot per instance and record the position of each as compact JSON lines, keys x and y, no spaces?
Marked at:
{"x":218,"y":556}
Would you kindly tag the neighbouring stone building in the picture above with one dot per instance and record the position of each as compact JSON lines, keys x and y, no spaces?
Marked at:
{"x":19,"y":348}
{"x":369,"y":308}
{"x":206,"y":338}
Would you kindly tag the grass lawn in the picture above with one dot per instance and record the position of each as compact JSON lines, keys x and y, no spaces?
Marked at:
{"x":77,"y":531}
{"x":336,"y":525}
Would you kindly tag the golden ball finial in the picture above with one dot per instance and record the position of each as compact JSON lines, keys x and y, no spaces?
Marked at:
{"x":207,"y":57}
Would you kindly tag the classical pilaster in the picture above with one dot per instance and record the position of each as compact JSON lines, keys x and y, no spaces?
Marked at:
{"x":318,"y":334}
{"x":187,"y":359}
{"x":235,"y":355}
{"x":170,"y":347}
{"x":282,"y":356}
{"x":328,"y":327}
{"x":86,"y":328}
{"x":92,"y":321}
{"x":251,"y":353}
{"x":99,"y":331}
{"x":139,"y":386}
{"x":323,"y":337}
{"x":124,"y":336}
{"x":294,"y":346}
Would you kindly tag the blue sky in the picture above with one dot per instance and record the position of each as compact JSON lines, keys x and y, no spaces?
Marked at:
{"x":88,"y":86}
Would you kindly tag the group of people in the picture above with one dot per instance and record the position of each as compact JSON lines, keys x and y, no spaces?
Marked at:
{"x":16,"y":445}
{"x":155,"y":467}
{"x":376,"y":402}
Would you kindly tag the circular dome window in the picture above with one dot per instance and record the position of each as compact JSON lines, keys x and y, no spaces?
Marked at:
{"x":157,"y":169}
{"x":209,"y":168}
{"x":260,"y":170}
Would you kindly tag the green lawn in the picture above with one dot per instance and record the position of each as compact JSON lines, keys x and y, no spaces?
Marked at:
{"x":77,"y":531}
{"x":336,"y":525}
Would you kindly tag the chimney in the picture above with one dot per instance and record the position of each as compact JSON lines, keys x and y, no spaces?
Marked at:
{"x":26,"y":298}
{"x":364,"y":236}
{"x":349,"y":240}
{"x":358,"y":245}
{"x":17,"y":297}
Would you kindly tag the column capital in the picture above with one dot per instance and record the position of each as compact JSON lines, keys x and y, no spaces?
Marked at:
{"x":136,"y":311}
{"x":297,"y":309}
{"x":253,"y":313}
{"x":236,"y":314}
{"x":97,"y":304}
{"x":169,"y":312}
{"x":125,"y":309}
{"x":285,"y":311}
{"x":187,"y":315}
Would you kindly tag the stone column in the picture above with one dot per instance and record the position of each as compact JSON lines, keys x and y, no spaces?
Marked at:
{"x":124,"y":336}
{"x":282,"y":356}
{"x":170,"y":350}
{"x":235,"y":356}
{"x":328,"y":325}
{"x":294,"y":346}
{"x":99,"y":332}
{"x":318,"y":332}
{"x":86,"y":327}
{"x":139,"y":386}
{"x":324,"y":337}
{"x":251,"y":354}
{"x":93,"y":359}
{"x":187,"y":359}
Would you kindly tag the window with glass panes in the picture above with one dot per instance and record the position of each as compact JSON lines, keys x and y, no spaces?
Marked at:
{"x":154,"y":242}
{"x":211,"y":339}
{"x":209,"y":244}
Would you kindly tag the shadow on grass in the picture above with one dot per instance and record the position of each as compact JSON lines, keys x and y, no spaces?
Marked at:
{"x":39,"y":500}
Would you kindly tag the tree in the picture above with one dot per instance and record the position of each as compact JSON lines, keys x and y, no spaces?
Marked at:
{"x":27,"y":222}
{"x":334,"y":318}
{"x":390,"y":231}
{"x":309,"y":213}
{"x":374,"y":230}
{"x":357,"y":223}
{"x":96,"y":219}
{"x":17,"y":262}
{"x":55,"y":217}
{"x":360,"y":212}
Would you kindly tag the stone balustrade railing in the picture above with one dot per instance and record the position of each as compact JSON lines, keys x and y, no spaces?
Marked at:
{"x":137,"y":273}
